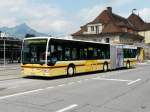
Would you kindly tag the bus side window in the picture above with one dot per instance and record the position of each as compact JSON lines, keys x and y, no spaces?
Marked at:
{"x":60,"y":53}
{"x":103,"y":54}
{"x":48,"y":54}
{"x":52,"y":48}
{"x":99,"y":54}
{"x":95,"y":53}
{"x":128,"y":53}
{"x":125,"y":53}
{"x":54,"y":53}
{"x":107,"y":54}
{"x":90,"y":53}
{"x":85,"y":53}
{"x":135,"y":53}
{"x":74,"y":53}
{"x":67,"y":53}
{"x":81,"y":53}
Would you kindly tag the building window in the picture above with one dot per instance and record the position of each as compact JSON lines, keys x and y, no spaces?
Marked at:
{"x":125,"y":29}
{"x":100,"y":28}
{"x":107,"y":40}
{"x":97,"y":29}
{"x":92,"y":28}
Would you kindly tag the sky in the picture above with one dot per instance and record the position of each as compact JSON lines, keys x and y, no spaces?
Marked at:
{"x":64,"y":17}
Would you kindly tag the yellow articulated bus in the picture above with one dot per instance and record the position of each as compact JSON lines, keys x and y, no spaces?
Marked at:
{"x":47,"y":56}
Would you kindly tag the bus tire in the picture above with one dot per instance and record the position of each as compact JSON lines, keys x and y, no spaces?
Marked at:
{"x":128,"y":64}
{"x":105,"y":67}
{"x":70,"y":70}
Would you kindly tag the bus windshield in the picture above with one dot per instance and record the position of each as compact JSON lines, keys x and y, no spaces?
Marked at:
{"x":34,"y":51}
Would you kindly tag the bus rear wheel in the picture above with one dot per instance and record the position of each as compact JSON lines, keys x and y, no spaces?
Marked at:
{"x":128,"y":65}
{"x":105,"y":67}
{"x":70,"y":70}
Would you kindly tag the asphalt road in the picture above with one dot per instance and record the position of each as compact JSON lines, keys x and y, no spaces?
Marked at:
{"x":115,"y":91}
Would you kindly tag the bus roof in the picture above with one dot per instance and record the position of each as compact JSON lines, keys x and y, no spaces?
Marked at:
{"x":64,"y":39}
{"x":36,"y":38}
{"x":124,"y":46}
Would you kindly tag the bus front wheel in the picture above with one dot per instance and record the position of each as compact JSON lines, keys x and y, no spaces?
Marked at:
{"x":105,"y":67}
{"x":70,"y":71}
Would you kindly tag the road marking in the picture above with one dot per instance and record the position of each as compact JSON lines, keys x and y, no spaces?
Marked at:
{"x":103,"y":76}
{"x":67,"y":108}
{"x":79,"y":81}
{"x":117,"y":72}
{"x":70,"y":83}
{"x":86,"y":79}
{"x":132,"y":82}
{"x":13,"y":87}
{"x":18,"y":94}
{"x":95,"y":77}
{"x":37,"y":90}
{"x":61,"y":85}
{"x":49,"y":87}
{"x":23,"y":93}
{"x":120,"y":80}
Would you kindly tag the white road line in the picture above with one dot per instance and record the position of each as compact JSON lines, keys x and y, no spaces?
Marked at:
{"x":95,"y":77}
{"x":67,"y":108}
{"x":120,"y":80}
{"x":103,"y":76}
{"x":132,"y":82}
{"x":61,"y":85}
{"x":70,"y":83}
{"x":86,"y":79}
{"x":13,"y":87}
{"x":23,"y":93}
{"x":79,"y":81}
{"x":49,"y":87}
{"x":18,"y":94}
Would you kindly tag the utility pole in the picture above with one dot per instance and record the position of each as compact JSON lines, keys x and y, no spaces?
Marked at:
{"x":4,"y":53}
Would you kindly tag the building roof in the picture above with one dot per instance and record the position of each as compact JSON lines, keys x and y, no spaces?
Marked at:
{"x":82,"y":29}
{"x":106,"y":17}
{"x":118,"y":20}
{"x":138,"y":22}
{"x":147,"y":26}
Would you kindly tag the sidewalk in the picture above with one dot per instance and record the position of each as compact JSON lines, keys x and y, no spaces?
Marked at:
{"x":9,"y":66}
{"x":148,"y":61}
{"x":9,"y":77}
{"x":10,"y":71}
{"x":144,"y":63}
